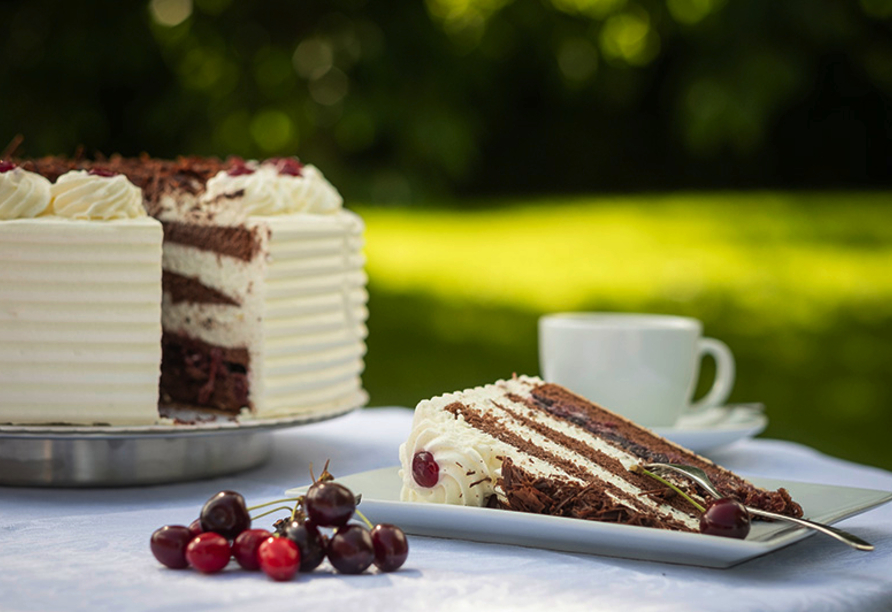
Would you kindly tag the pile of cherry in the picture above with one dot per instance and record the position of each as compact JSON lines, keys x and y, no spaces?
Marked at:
{"x":319,"y":527}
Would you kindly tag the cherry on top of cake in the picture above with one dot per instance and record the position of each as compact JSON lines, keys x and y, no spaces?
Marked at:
{"x":288,"y":166}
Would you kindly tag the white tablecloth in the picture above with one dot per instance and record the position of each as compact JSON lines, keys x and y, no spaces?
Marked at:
{"x":88,"y":549}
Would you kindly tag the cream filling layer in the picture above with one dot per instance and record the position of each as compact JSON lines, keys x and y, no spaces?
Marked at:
{"x":80,"y":312}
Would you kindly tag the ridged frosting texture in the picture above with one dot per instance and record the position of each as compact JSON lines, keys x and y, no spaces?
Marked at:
{"x":79,"y":194}
{"x":23,"y":194}
{"x":80,"y":321}
{"x":314,"y":315}
{"x":265,"y":192}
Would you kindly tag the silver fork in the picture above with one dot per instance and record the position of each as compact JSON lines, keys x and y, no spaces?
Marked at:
{"x":700,"y":477}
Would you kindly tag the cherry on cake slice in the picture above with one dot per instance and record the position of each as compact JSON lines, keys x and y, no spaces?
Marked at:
{"x":527,"y":445}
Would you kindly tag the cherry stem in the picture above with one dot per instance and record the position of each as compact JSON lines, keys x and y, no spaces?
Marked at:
{"x":298,"y":502}
{"x":364,"y":519}
{"x":268,"y":512}
{"x":275,"y":501}
{"x":637,"y":469}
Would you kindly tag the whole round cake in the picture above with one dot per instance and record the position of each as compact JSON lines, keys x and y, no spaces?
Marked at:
{"x":130,"y":286}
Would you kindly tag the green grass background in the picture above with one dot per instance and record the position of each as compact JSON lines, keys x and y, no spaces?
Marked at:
{"x":798,"y":284}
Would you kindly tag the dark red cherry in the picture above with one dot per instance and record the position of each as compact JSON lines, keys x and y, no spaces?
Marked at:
{"x":169,"y":545}
{"x":329,"y":504}
{"x":102,"y":172}
{"x":208,"y":552}
{"x":225,"y":513}
{"x":310,"y":541}
{"x":425,"y":469}
{"x":239,"y":169}
{"x":246,"y":546}
{"x":725,"y":517}
{"x":6,"y":166}
{"x":279,"y":558}
{"x":391,"y":547}
{"x":288,"y":165}
{"x":351,"y":550}
{"x":195,"y":527}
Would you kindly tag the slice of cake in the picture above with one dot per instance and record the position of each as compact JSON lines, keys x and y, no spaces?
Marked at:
{"x":80,"y":300}
{"x":526,"y":445}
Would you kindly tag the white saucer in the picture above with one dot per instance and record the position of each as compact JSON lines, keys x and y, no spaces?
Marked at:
{"x":715,"y":427}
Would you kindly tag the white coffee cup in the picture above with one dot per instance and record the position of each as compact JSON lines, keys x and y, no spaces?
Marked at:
{"x":642,"y":366}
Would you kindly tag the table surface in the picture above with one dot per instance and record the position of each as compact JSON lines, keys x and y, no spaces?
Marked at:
{"x":73,"y":549}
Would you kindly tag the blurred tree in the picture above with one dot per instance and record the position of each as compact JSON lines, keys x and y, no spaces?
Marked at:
{"x":456,"y":97}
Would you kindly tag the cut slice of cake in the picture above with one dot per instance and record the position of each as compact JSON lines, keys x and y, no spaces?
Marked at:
{"x":526,"y":445}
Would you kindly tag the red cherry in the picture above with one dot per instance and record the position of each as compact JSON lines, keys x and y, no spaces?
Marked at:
{"x":310,"y":541}
{"x":225,"y":513}
{"x":208,"y":552}
{"x":391,"y":547}
{"x":195,"y":527}
{"x":330,"y":504}
{"x":351,"y":549}
{"x":246,"y":545}
{"x":279,"y":558}
{"x":725,"y":517}
{"x":102,"y":172}
{"x":288,"y":165}
{"x":169,"y":545}
{"x":6,"y":166}
{"x":425,"y":469}
{"x":239,"y":169}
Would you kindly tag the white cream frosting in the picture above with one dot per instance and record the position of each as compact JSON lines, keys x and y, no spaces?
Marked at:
{"x":23,"y":194}
{"x":470,"y":461}
{"x":264,"y":191}
{"x":79,"y":194}
{"x":80,"y":321}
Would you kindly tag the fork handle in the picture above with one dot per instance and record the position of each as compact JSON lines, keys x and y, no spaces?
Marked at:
{"x":834,"y":532}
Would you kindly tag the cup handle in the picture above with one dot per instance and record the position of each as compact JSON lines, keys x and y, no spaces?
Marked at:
{"x":724,"y":373}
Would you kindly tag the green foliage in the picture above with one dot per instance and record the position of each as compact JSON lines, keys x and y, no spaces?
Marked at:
{"x":797,"y":284}
{"x":399,"y":101}
{"x":410,"y":101}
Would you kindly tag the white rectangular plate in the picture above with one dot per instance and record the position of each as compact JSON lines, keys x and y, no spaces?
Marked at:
{"x":380,"y":490}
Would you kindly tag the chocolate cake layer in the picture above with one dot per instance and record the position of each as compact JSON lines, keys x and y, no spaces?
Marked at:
{"x":200,"y":374}
{"x":187,"y":289}
{"x":567,"y":498}
{"x":525,"y":492}
{"x":650,"y":448}
{"x":239,"y":242}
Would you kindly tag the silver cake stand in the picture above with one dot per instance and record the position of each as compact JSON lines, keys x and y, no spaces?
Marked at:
{"x":113,"y":456}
